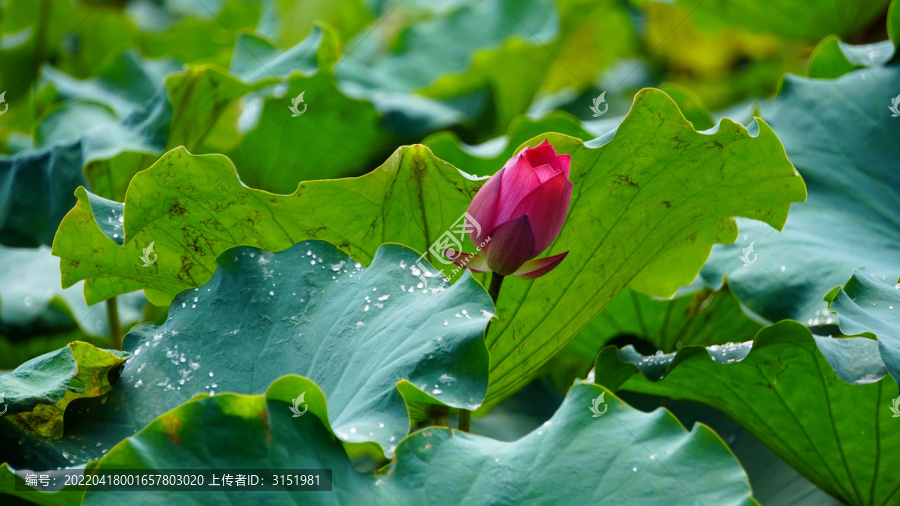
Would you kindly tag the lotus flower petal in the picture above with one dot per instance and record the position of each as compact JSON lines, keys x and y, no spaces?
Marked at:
{"x":511,"y":245}
{"x":518,"y":179}
{"x":539,"y":266}
{"x":546,"y":207}
{"x":483,"y":208}
{"x":544,"y":154}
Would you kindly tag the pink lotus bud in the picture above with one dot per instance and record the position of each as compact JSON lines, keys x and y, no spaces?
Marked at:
{"x":519,"y":212}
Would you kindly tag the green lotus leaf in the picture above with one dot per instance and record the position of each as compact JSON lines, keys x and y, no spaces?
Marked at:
{"x":200,"y":94}
{"x":828,"y":61}
{"x":840,"y":135}
{"x":821,"y":404}
{"x":869,"y":306}
{"x":411,"y":199}
{"x":37,"y":393}
{"x":124,"y":82}
{"x":307,"y":310}
{"x":335,"y":136}
{"x":637,"y":457}
{"x":700,"y":318}
{"x":30,"y":218}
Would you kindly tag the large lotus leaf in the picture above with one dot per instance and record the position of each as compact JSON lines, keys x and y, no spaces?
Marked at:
{"x":870,"y":306}
{"x":840,"y":135}
{"x":821,"y":404}
{"x":634,"y":457}
{"x":36,"y":394}
{"x":795,"y":19}
{"x":29,"y":218}
{"x":200,"y":94}
{"x":411,"y":199}
{"x":696,"y":316}
{"x":307,"y":310}
{"x":32,"y":288}
{"x":336,"y":136}
{"x":649,"y":200}
{"x":701,"y":318}
{"x":124,"y":82}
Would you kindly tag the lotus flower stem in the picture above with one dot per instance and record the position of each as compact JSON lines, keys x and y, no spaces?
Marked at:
{"x":112,"y":314}
{"x":494,"y":292}
{"x":465,"y":416}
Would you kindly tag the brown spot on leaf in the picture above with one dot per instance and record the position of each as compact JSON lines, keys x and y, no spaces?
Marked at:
{"x":172,"y":426}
